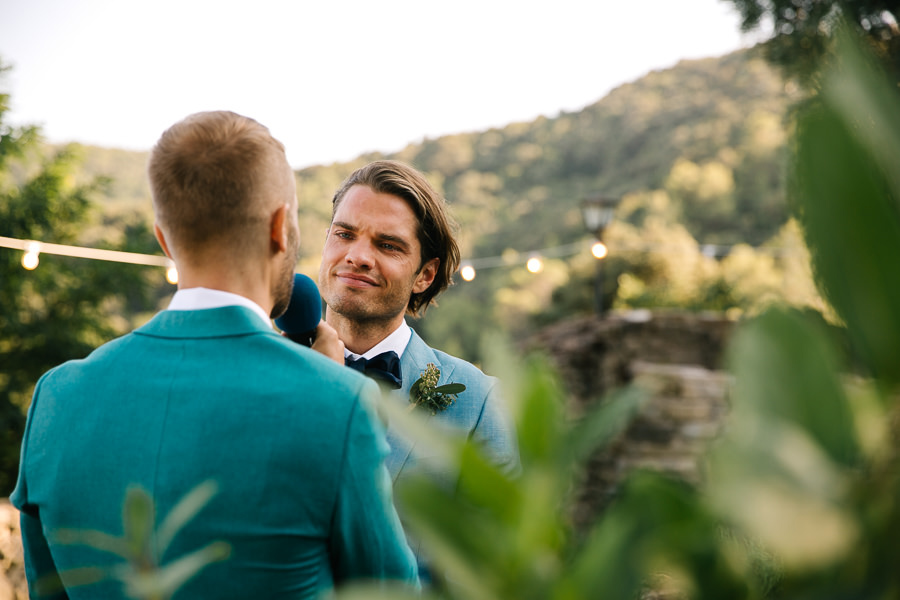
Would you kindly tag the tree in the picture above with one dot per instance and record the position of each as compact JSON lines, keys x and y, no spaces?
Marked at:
{"x":803,"y":30}
{"x":61,"y":310}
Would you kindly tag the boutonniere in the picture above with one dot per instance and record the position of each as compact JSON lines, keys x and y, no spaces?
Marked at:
{"x":426,"y":392}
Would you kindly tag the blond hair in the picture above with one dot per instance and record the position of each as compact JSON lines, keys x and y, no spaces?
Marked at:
{"x":210,"y":175}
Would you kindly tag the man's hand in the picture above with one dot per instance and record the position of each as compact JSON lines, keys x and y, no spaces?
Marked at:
{"x":328,"y":343}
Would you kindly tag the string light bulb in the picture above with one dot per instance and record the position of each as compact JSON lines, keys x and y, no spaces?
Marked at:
{"x":172,"y":274}
{"x":534,"y":264}
{"x":599,"y":250}
{"x":467,"y":272}
{"x":31,"y":258}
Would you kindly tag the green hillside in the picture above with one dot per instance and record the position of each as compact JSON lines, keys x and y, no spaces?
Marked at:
{"x":522,"y":183}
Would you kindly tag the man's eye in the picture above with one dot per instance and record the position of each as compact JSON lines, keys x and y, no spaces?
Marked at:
{"x":344,"y":235}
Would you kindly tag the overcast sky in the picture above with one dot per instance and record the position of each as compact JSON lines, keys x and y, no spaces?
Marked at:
{"x":334,"y":79}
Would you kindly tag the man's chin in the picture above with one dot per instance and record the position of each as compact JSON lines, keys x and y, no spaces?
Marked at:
{"x":352,"y":310}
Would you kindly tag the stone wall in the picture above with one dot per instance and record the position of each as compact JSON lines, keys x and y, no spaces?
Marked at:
{"x":596,"y":355}
{"x":677,"y":358}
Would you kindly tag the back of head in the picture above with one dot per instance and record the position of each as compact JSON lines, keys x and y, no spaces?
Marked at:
{"x":437,"y":227}
{"x":212,"y":175}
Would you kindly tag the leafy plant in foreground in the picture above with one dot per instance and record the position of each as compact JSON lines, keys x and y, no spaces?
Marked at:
{"x":800,"y":498}
{"x":141,"y":545}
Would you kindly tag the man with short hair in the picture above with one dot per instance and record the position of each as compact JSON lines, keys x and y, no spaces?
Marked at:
{"x":390,"y":250}
{"x":207,"y":390}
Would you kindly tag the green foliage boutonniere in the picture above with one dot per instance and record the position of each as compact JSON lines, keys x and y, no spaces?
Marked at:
{"x":426,"y":392}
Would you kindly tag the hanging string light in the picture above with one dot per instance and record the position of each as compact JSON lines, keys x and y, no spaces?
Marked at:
{"x":31,"y":258}
{"x":468,"y":270}
{"x":172,"y":275}
{"x":33,"y":249}
{"x":535,"y":264}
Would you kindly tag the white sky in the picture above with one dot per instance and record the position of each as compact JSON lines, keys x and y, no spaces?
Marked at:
{"x":334,"y":79}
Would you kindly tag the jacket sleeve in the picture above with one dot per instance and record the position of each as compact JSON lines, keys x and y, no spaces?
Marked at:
{"x":39,"y":565}
{"x":40,"y":571}
{"x":367,"y":539}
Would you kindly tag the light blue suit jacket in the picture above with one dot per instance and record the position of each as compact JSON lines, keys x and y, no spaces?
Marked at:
{"x":289,"y":436}
{"x":478,"y":413}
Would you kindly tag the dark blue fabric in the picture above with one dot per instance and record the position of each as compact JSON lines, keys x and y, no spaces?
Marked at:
{"x":382,"y":367}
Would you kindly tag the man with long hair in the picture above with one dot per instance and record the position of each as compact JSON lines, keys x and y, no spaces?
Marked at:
{"x":389,"y":252}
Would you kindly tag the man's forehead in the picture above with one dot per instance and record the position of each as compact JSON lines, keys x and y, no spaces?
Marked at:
{"x":377,"y":210}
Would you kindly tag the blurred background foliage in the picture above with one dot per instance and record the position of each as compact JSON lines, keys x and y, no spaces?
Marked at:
{"x":67,"y":306}
{"x":799,"y":497}
{"x":802,"y":32}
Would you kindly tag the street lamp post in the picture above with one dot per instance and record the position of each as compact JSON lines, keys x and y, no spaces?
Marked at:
{"x":597,"y":212}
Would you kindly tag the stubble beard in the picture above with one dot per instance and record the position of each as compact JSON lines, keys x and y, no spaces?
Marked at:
{"x":285,"y":285}
{"x":358,"y":312}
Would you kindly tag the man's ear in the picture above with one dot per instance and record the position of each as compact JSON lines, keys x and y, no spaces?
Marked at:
{"x":278,"y":232}
{"x":161,"y":238}
{"x":426,"y":275}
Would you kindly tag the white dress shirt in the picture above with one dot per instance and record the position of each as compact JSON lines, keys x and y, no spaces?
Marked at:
{"x":396,"y":341}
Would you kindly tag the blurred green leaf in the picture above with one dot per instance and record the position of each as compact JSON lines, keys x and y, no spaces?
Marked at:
{"x":784,"y":492}
{"x":541,"y":417}
{"x":50,"y":585}
{"x":186,"y":509}
{"x":657,"y":526}
{"x":782,"y":472}
{"x":859,"y":90}
{"x":413,"y":425}
{"x":381,"y":591}
{"x":137,"y":521}
{"x":95,"y":539}
{"x":450,"y":388}
{"x":468,"y":555}
{"x":848,"y":185}
{"x":598,"y":428}
{"x":165,"y":581}
{"x":785,"y":368}
{"x":487,"y":486}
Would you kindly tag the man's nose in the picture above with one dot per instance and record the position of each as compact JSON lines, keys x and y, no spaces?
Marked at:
{"x":360,"y":254}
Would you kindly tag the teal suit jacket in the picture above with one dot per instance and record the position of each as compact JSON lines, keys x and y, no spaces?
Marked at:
{"x":289,"y":436}
{"x":478,"y":413}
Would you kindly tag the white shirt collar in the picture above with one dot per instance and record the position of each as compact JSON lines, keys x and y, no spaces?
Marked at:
{"x":396,"y":341}
{"x":200,"y":298}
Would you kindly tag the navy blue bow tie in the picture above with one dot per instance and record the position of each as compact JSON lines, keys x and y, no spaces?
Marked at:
{"x":383,"y":367}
